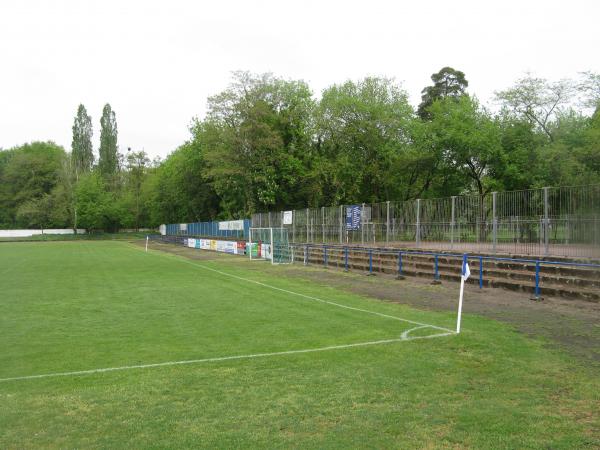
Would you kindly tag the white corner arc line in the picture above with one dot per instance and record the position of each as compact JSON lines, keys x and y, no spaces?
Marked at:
{"x":407,"y":332}
{"x":309,"y":297}
{"x":222,"y":358}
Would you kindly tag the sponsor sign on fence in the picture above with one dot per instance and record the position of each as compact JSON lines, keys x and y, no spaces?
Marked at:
{"x":230,"y":225}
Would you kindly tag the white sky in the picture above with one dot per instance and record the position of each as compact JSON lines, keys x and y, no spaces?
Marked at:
{"x":156,"y":62}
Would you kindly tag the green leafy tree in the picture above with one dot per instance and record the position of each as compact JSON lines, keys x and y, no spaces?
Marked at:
{"x":469,"y":138}
{"x":363,"y":132}
{"x":27,"y":173}
{"x":538,"y":101}
{"x":108,"y":162}
{"x":96,"y":205}
{"x":254,"y":141}
{"x":447,"y":83}
{"x":589,"y":87}
{"x":178,"y":189}
{"x":36,"y":212}
{"x":81,"y":146}
{"x":137,"y":167}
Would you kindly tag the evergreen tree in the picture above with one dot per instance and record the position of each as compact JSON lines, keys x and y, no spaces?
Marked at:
{"x":448,"y":82}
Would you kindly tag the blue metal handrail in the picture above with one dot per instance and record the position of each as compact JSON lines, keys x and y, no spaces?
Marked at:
{"x":436,"y":275}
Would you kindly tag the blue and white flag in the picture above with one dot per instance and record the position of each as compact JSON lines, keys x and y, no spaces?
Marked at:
{"x":466,"y":272}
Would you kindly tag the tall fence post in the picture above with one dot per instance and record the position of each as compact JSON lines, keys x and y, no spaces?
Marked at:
{"x":362,"y":224}
{"x":452,"y":223}
{"x":387,"y":223}
{"x":323,"y":222}
{"x":546,"y":222}
{"x":307,"y":232}
{"x":494,"y":221}
{"x":418,"y":231}
{"x":293,"y":226}
{"x":341,"y":225}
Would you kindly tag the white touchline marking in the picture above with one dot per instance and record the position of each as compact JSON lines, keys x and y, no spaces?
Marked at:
{"x":228,"y":358}
{"x":404,"y":336}
{"x":303,"y":295}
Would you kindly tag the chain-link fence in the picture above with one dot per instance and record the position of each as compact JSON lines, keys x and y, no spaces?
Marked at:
{"x":557,"y":221}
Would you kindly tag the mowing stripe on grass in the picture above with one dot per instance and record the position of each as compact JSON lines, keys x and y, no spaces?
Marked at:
{"x":404,"y":337}
{"x":309,"y":297}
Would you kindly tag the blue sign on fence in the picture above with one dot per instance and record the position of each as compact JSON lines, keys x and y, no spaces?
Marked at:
{"x":353,"y":217}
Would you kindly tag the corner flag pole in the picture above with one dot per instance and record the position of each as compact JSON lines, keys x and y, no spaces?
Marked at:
{"x":146,"y":244}
{"x":464,"y":275}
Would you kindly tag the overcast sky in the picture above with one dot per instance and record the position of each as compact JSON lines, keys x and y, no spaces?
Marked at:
{"x":156,"y":62}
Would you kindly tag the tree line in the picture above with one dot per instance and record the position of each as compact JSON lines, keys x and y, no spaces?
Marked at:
{"x":267,"y":143}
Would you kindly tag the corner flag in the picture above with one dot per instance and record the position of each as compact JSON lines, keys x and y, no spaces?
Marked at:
{"x":466,"y":272}
{"x":464,"y":276}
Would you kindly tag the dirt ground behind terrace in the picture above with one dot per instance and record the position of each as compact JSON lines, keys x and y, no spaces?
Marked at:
{"x":572,"y":325}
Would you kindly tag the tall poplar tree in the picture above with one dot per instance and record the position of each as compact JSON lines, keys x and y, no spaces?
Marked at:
{"x":81,"y":147}
{"x":109,"y":158}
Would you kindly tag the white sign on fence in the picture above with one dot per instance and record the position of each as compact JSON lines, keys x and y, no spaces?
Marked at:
{"x":287,"y":217}
{"x":230,"y":225}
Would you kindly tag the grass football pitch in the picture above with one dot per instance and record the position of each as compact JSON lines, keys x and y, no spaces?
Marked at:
{"x":104,"y":345}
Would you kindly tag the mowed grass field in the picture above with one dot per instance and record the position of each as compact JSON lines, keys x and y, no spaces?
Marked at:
{"x":81,"y":306}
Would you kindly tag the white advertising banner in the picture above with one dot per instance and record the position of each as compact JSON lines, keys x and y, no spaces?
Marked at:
{"x":231,"y":225}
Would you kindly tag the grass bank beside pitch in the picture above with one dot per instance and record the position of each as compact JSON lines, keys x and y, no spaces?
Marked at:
{"x":76,"y":306}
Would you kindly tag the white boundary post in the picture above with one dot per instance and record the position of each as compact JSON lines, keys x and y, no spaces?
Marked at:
{"x":147,"y":244}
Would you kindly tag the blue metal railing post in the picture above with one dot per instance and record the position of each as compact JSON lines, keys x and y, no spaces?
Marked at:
{"x":400,"y":276}
{"x":537,"y":280}
{"x":480,"y":272}
{"x":306,"y":255}
{"x":370,"y":261}
{"x":325,"y":255}
{"x":346,"y":259}
{"x":436,"y":274}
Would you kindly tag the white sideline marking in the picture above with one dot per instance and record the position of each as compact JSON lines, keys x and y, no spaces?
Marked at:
{"x":304,"y":295}
{"x":404,"y":337}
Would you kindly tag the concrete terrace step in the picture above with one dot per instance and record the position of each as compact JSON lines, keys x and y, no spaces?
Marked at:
{"x":558,"y":281}
{"x":505,"y":266}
